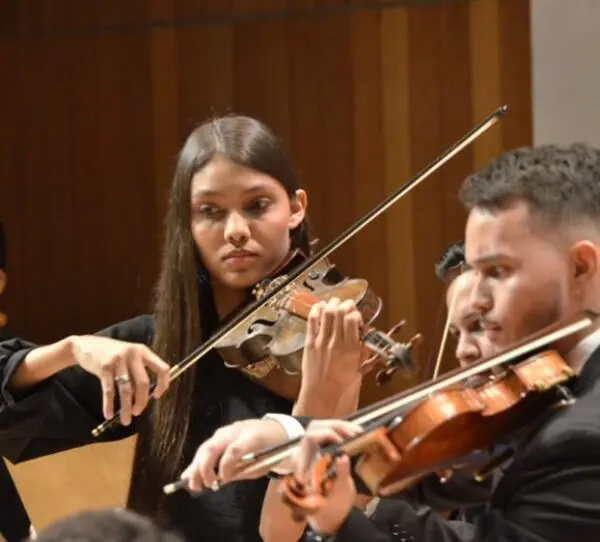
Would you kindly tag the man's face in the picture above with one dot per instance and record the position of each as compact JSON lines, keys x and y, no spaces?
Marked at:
{"x":520,"y":275}
{"x":465,"y":327}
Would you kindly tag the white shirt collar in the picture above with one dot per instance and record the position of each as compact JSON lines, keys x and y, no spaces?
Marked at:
{"x":581,"y":352}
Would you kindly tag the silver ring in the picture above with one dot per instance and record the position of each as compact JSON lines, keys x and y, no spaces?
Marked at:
{"x":122,"y":379}
{"x":215,"y":486}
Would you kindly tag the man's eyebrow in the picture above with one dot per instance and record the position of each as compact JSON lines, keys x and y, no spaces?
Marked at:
{"x":489,"y":258}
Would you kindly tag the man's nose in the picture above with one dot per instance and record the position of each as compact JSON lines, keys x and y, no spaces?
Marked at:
{"x":237,"y":230}
{"x":480,"y":298}
{"x":467,"y":352}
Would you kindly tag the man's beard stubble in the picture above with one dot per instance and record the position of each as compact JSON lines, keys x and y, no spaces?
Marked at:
{"x":540,"y":316}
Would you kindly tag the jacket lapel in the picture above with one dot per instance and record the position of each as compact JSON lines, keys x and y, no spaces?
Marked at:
{"x":580,"y":386}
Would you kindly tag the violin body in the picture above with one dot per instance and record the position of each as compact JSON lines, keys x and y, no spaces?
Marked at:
{"x":439,"y":434}
{"x":449,"y":430}
{"x":278,"y":336}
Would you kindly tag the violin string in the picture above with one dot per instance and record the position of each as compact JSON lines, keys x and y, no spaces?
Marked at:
{"x":377,"y":339}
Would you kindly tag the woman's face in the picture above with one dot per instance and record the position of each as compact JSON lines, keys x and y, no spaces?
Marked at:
{"x":241,"y":221}
{"x":471,"y":341}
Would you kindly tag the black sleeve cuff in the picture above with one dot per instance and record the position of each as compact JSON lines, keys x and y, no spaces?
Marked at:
{"x":9,"y":369}
{"x":359,"y":528}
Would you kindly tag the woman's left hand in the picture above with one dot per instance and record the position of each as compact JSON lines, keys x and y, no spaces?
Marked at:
{"x":333,"y":354}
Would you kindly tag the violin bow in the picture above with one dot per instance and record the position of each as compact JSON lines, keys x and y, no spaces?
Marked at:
{"x":252,"y":308}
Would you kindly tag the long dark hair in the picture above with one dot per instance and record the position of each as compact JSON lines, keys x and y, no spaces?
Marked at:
{"x":178,"y":317}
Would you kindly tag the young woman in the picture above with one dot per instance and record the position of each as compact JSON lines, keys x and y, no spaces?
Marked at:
{"x":235,"y":212}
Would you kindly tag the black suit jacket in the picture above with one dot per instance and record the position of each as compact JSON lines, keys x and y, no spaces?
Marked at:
{"x":549,"y":493}
{"x":14,"y":521}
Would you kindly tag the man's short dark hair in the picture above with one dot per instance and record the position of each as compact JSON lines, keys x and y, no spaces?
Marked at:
{"x":559,"y":183}
{"x":451,"y":264}
{"x":2,"y":248}
{"x":103,"y":525}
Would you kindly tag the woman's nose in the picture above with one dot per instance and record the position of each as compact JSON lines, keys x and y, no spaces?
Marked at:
{"x":237,"y":231}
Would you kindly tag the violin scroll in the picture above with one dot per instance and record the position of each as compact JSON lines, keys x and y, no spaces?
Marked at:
{"x":396,"y":355}
{"x":305,"y":499}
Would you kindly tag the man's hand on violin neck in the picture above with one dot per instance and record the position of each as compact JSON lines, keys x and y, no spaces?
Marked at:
{"x":226,"y":447}
{"x":330,"y":518}
{"x":340,"y":500}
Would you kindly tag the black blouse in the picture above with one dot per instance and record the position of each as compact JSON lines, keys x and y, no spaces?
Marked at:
{"x":60,"y":413}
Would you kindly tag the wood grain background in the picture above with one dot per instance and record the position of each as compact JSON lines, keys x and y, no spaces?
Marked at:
{"x":98,"y":96}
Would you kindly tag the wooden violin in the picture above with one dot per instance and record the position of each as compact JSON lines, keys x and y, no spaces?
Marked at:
{"x":451,"y":422}
{"x":278,"y":329}
{"x":248,"y":315}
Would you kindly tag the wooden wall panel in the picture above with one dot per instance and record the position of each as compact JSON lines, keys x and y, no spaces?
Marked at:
{"x":102,"y":95}
{"x":99,"y":96}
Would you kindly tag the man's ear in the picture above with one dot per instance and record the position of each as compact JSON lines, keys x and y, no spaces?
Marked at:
{"x":584,"y":258}
{"x":298,"y":205}
{"x":2,"y":281}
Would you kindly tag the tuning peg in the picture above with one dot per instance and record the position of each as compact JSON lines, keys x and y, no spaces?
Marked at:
{"x":384,"y":376}
{"x":415,"y":341}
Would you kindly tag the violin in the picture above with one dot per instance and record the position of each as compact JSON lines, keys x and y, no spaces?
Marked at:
{"x":278,"y":330}
{"x":248,"y":315}
{"x":279,"y":335}
{"x":451,"y":421}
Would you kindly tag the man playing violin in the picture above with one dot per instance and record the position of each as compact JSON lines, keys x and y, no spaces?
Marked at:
{"x":533,"y":249}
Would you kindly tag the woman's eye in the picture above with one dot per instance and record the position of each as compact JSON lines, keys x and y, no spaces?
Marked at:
{"x":259,"y":205}
{"x":210,"y":211}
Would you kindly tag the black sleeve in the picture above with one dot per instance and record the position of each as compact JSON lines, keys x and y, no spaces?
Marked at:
{"x":59,"y":413}
{"x":459,"y":492}
{"x":398,"y":520}
{"x":304,"y":420}
{"x":551,"y":496}
{"x":556,"y":498}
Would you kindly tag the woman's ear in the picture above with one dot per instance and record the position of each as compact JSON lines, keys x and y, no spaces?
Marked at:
{"x":584,"y":255}
{"x":2,"y":281}
{"x":298,"y":205}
